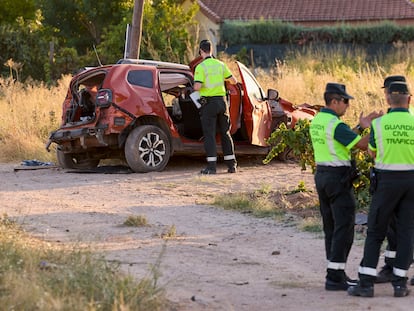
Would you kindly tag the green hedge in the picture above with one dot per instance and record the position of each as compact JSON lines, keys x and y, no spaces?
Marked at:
{"x":278,"y":32}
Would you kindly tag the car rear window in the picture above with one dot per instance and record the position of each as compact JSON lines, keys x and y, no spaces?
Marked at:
{"x":141,"y":78}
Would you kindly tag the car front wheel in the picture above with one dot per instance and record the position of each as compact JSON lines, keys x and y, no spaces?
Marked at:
{"x":147,"y":149}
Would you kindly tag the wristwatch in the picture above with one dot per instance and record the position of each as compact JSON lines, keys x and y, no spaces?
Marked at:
{"x":359,"y":128}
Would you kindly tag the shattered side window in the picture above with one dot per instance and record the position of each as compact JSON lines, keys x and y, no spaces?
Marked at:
{"x":171,"y":80}
{"x":252,"y":86}
{"x":141,"y":78}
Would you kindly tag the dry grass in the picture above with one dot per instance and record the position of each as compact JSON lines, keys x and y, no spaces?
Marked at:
{"x":29,"y":112}
{"x":307,"y":86}
{"x":37,"y":275}
{"x":136,"y":221}
{"x":302,"y":77}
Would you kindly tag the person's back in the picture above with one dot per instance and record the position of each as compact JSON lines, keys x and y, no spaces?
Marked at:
{"x":209,"y":79}
{"x":391,"y":145}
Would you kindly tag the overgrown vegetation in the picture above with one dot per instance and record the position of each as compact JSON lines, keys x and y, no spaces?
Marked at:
{"x":298,"y":203}
{"x":50,"y":38}
{"x":275,"y":31}
{"x":298,"y":140}
{"x":36,"y":276}
{"x":28,"y":113}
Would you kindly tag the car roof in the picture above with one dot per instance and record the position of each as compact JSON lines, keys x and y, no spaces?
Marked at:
{"x":158,"y":64}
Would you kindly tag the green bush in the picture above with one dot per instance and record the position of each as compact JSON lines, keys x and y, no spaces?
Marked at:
{"x":298,"y":140}
{"x":278,"y":32}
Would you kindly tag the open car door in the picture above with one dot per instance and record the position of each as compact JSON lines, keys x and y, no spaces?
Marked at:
{"x":257,"y":114}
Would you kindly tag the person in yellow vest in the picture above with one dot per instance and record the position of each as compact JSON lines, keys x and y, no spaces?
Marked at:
{"x":332,"y":141}
{"x":385,"y":274}
{"x":391,"y":144}
{"x":209,"y":79}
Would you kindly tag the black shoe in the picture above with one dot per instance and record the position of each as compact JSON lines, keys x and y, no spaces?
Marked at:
{"x":350,"y":282}
{"x":208,"y":171}
{"x":232,"y":170}
{"x":360,"y":291}
{"x":333,"y":285}
{"x":401,"y":291}
{"x":412,"y":281}
{"x":385,"y":275}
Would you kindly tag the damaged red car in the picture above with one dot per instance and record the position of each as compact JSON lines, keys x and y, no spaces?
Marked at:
{"x":140,"y":111}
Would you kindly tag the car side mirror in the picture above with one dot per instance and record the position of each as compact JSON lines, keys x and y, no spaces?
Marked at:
{"x":272,"y":94}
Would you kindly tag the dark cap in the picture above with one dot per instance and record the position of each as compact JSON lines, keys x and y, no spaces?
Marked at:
{"x":398,"y":88}
{"x":336,"y":88}
{"x":205,"y":45}
{"x":390,"y":79}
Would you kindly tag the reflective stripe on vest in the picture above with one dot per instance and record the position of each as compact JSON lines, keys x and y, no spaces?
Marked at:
{"x":394,"y":136}
{"x":328,"y":152}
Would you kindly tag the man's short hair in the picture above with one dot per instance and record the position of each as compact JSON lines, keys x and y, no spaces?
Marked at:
{"x":398,"y":93}
{"x":205,"y":46}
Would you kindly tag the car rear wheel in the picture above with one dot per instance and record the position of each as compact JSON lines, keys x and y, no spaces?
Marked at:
{"x":78,"y":161}
{"x":147,"y":149}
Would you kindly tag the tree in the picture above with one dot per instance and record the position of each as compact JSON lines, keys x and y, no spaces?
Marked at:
{"x":11,"y":10}
{"x":30,"y":30}
{"x":81,"y":23}
{"x":166,"y":34}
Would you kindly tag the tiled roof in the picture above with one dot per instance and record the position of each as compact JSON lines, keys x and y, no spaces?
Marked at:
{"x":307,"y":10}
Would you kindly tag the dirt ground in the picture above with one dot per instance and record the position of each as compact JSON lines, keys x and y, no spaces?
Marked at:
{"x":219,"y":259}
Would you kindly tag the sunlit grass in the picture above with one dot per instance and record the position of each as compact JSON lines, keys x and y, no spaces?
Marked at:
{"x":36,"y":275}
{"x":267,"y":203}
{"x":28,"y":113}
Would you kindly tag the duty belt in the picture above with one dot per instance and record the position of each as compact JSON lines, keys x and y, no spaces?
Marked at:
{"x":332,"y":169}
{"x":204,"y":100}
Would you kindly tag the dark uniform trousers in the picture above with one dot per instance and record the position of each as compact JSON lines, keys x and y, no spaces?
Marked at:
{"x":391,"y":241}
{"x":215,"y":114}
{"x":337,"y":207}
{"x":394,"y":196}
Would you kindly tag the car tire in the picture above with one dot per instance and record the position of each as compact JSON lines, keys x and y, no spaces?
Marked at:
{"x":287,"y":155}
{"x":147,"y":149}
{"x":80,"y":161}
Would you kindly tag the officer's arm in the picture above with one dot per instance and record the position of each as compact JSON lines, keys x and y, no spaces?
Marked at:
{"x":197,"y":86}
{"x":232,"y":80}
{"x":372,"y":146}
{"x":363,"y":143}
{"x":349,"y":139}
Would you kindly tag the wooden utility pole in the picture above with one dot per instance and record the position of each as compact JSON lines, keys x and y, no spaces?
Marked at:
{"x":136,"y":31}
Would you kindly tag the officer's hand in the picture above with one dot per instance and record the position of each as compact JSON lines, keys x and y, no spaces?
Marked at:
{"x":365,"y":121}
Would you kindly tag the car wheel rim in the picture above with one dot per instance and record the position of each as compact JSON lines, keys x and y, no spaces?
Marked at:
{"x":152,"y":149}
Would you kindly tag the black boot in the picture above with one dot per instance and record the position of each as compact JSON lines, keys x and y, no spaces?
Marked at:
{"x":400,"y":286}
{"x":336,"y":280}
{"x":385,"y":275}
{"x":364,"y":288}
{"x":231,"y":166}
{"x":210,"y":169}
{"x":361,"y":291}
